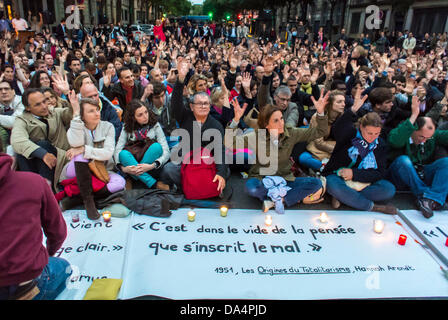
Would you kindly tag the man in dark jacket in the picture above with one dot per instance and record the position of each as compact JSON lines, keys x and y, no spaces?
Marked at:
{"x":197,"y":115}
{"x":125,"y":90}
{"x":27,"y":268}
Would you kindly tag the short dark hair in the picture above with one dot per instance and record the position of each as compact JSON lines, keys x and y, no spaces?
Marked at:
{"x":122,"y":70}
{"x":9,"y":84}
{"x":399,"y":78}
{"x":158,"y":88}
{"x":380,"y":95}
{"x":27,"y":93}
{"x":337,"y":82}
{"x":74,"y":59}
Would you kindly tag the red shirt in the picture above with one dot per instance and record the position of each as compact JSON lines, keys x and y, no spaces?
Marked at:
{"x":128,"y":93}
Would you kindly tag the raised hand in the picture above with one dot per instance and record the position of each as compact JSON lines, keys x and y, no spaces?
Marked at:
{"x":359,"y":101}
{"x":322,"y":102}
{"x":415,"y":107}
{"x":410,"y":86}
{"x":355,"y":66}
{"x":74,"y":101}
{"x":183,"y":68}
{"x":245,"y":82}
{"x":60,"y":83}
{"x":314,"y":76}
{"x":269,"y":66}
{"x":107,"y":78}
{"x":286,"y":72}
{"x":238,"y":110}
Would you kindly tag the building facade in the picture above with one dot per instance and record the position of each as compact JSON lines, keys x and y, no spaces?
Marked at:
{"x":419,"y":16}
{"x":92,"y":12}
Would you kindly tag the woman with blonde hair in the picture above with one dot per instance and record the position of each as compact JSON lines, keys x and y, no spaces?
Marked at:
{"x":197,"y":83}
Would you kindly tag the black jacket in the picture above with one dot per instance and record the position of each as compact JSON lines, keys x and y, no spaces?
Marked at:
{"x":109,"y":114}
{"x":117,"y":91}
{"x":186,"y":119}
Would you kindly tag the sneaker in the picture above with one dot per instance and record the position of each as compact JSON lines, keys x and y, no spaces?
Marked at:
{"x":335,"y":203}
{"x":267,"y":205}
{"x":425,"y":206}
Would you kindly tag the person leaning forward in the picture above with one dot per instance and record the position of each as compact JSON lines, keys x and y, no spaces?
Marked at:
{"x":39,"y":136}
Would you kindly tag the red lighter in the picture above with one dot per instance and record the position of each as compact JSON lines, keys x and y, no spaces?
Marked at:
{"x":402,"y":239}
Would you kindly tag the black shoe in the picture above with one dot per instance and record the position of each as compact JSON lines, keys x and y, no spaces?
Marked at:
{"x":425,"y":206}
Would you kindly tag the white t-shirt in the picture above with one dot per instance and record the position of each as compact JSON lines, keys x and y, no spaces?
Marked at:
{"x":19,"y":24}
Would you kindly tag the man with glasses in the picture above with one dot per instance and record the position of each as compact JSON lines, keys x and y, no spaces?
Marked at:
{"x":198,"y":114}
{"x":282,"y":96}
{"x":39,"y":136}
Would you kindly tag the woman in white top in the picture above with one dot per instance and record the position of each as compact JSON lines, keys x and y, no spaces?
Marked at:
{"x":91,"y":139}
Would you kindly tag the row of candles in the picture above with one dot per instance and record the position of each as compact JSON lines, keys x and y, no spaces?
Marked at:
{"x":378,"y":225}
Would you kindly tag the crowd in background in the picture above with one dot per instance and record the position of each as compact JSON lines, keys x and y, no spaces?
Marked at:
{"x":95,"y":112}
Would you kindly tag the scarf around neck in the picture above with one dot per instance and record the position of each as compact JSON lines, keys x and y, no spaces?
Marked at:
{"x":361,"y":148}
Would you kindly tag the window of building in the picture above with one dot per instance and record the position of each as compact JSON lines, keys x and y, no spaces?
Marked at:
{"x":354,"y":25}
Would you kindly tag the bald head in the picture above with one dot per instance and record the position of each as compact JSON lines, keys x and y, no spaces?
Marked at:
{"x":156,"y":75}
{"x":425,"y":131}
{"x":89,"y":91}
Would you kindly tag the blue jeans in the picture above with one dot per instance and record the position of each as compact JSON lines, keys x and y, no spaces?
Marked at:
{"x":435,"y":185}
{"x":300,"y":189}
{"x":53,"y":279}
{"x":362,"y":200}
{"x":307,"y":160}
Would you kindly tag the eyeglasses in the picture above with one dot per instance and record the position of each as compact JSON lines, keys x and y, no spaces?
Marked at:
{"x":284,"y":99}
{"x":203,"y":104}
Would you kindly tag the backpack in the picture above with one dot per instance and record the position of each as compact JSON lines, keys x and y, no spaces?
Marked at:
{"x":197,"y":173}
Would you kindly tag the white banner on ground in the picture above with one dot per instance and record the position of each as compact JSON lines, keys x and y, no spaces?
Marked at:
{"x":95,"y":250}
{"x":435,"y":229}
{"x":297,"y":257}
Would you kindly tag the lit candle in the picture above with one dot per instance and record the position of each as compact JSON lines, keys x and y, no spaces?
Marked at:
{"x":323,"y":217}
{"x":268,"y":220}
{"x":191,"y":216}
{"x":75,"y":217}
{"x":106,"y":216}
{"x":223,"y":211}
{"x":402,"y":239}
{"x":378,"y":226}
